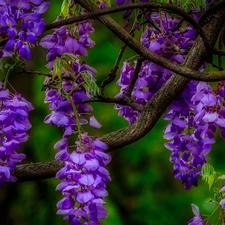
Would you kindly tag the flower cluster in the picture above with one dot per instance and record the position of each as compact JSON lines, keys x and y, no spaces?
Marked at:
{"x":64,"y":40}
{"x":84,"y":175}
{"x":14,"y":124}
{"x":69,"y":109}
{"x":83,"y":182}
{"x":194,"y":114}
{"x":172,"y":42}
{"x":24,"y":12}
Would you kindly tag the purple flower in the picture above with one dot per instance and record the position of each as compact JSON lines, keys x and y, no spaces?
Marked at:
{"x":171,"y":44}
{"x":83,"y":181}
{"x":94,"y":123}
{"x":120,"y":2}
{"x":26,"y":14}
{"x":222,"y":203}
{"x":63,"y":41}
{"x":14,"y":124}
{"x":197,"y":220}
{"x":25,"y":52}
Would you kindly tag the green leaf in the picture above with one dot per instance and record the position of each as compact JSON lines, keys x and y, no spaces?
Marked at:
{"x":69,"y":57}
{"x":57,"y":69}
{"x":208,"y":174}
{"x":89,"y":85}
{"x":211,"y":180}
{"x":65,"y":8}
{"x":65,"y":66}
{"x":187,"y":5}
{"x":108,"y":2}
{"x":93,"y":89}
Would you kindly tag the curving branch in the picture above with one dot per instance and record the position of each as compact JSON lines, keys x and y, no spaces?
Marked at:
{"x":219,"y":52}
{"x":135,"y":77}
{"x":168,"y":7}
{"x":151,"y":56}
{"x":153,"y":109}
{"x":208,"y":13}
{"x":97,"y":13}
{"x":137,"y":47}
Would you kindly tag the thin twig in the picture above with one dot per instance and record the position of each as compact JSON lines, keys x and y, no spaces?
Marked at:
{"x":112,"y":75}
{"x":135,"y":76}
{"x":32,"y":72}
{"x":128,"y":102}
{"x":219,"y":52}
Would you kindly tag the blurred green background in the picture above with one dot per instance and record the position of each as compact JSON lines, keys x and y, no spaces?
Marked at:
{"x":142,"y":190}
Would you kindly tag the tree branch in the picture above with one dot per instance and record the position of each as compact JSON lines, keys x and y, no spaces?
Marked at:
{"x":135,"y":77}
{"x":97,"y":13}
{"x":151,"y":112}
{"x":137,"y":47}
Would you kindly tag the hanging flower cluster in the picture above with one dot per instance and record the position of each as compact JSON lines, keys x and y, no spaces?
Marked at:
{"x":14,"y":124}
{"x":27,"y":13}
{"x":84,"y":175}
{"x":194,"y":114}
{"x":83,"y":182}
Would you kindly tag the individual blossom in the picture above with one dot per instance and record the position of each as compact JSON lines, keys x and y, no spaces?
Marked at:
{"x":83,"y":182}
{"x":26,"y":13}
{"x":222,"y":202}
{"x":197,"y":219}
{"x":14,"y":124}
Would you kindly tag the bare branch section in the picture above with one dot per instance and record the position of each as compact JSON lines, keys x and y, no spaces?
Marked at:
{"x":153,"y":109}
{"x":37,"y":171}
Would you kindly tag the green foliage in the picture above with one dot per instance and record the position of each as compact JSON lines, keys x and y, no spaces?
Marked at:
{"x":57,"y":69}
{"x":69,"y":57}
{"x":190,"y":4}
{"x":89,"y":85}
{"x":186,"y":4}
{"x":65,"y":8}
{"x":208,"y":174}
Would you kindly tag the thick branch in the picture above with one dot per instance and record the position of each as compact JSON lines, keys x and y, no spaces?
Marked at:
{"x":151,"y":112}
{"x":208,"y":13}
{"x":37,"y":171}
{"x":160,"y":101}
